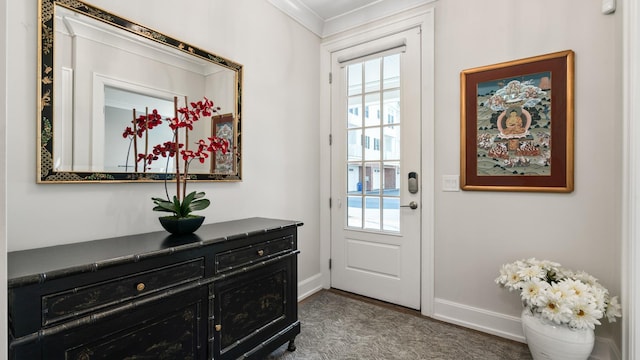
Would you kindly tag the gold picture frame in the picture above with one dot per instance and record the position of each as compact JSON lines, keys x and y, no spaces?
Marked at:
{"x":517,"y":125}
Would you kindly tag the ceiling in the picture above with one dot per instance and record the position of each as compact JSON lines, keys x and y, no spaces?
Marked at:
{"x":328,"y":9}
{"x":328,"y":17}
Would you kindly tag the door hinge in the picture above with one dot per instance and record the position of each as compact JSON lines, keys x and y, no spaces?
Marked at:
{"x":329,"y":203}
{"x":329,"y":264}
{"x":330,"y":78}
{"x":330,"y":139}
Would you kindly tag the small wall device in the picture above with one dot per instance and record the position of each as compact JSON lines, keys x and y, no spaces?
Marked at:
{"x":608,"y":6}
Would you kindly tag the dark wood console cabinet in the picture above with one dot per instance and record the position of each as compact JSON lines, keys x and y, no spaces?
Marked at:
{"x":229,"y":291}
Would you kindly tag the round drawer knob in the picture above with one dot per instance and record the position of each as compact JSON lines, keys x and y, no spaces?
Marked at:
{"x":218,"y":327}
{"x":140,"y":287}
{"x":260,"y":252}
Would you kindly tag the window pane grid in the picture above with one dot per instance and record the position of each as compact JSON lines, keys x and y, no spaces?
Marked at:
{"x":373,"y":163}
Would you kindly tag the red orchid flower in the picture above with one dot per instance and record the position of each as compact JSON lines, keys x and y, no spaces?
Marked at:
{"x":185,"y":118}
{"x":174,"y":123}
{"x":187,"y":154}
{"x":127,"y":132}
{"x":202,"y":156}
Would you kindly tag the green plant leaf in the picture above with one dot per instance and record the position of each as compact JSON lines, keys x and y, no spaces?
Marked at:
{"x":200,"y":204}
{"x":192,"y":202}
{"x":176,"y":206}
{"x":185,"y":208}
{"x":198,"y":195}
{"x":163,"y":205}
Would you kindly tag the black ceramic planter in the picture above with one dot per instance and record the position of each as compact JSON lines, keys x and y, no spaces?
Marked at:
{"x":181,"y":226}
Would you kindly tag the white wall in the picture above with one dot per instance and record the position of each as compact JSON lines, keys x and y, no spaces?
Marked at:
{"x":280,"y":144}
{"x":3,"y":176}
{"x":476,"y":232}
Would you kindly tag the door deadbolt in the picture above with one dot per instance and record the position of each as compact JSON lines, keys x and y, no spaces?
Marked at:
{"x":413,"y":182}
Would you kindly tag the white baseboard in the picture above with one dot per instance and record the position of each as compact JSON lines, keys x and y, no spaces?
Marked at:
{"x":490,"y":322}
{"x":309,"y":286}
{"x":505,"y":326}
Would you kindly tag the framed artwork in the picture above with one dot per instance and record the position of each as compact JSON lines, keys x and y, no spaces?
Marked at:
{"x":517,"y":125}
{"x":223,"y":126}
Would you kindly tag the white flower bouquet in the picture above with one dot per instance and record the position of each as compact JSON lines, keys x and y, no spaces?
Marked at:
{"x":549,"y":291}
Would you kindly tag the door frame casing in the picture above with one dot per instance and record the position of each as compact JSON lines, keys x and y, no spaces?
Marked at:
{"x":631,"y":178}
{"x":425,"y":20}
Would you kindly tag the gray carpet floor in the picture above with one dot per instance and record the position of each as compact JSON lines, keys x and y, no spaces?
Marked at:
{"x":340,"y":326}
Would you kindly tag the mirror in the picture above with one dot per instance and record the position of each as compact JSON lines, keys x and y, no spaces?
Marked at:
{"x":99,"y":71}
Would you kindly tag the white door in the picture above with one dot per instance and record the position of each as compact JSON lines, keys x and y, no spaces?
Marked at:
{"x":375,"y":156}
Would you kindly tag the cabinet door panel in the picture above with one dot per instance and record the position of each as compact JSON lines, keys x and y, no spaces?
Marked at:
{"x":250,"y":308}
{"x":173,"y":331}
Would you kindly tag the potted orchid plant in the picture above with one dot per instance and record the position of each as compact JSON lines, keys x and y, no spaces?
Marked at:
{"x":182,"y":204}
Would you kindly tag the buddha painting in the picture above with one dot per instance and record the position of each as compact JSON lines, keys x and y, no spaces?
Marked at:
{"x":514,"y":123}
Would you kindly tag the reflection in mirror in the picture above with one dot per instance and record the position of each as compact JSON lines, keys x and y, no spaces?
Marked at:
{"x":98,"y":69}
{"x":119,"y":154}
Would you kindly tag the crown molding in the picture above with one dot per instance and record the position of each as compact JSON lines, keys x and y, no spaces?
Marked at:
{"x":301,"y":13}
{"x":323,"y":28}
{"x":367,"y":14}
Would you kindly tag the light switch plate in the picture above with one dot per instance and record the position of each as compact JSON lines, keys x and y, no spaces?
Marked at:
{"x":450,"y":183}
{"x":608,"y":6}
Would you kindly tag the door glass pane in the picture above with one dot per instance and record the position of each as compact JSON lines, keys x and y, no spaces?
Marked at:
{"x":354,"y":112}
{"x":391,"y":142}
{"x":392,"y":71}
{"x":354,"y":211}
{"x":354,"y":145}
{"x":391,"y":196}
{"x":354,"y":179}
{"x":372,"y":109}
{"x":372,"y":75}
{"x":391,"y":111}
{"x":391,"y":214}
{"x":372,"y":178}
{"x":391,"y":178}
{"x":372,"y":143}
{"x":354,"y":72}
{"x":373,"y":153}
{"x":372,"y":213}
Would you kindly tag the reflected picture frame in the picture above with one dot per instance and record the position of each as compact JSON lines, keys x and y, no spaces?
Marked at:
{"x":224,"y":127}
{"x":517,"y":120}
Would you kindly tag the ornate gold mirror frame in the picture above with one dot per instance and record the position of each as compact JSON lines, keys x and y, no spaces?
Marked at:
{"x":75,"y":136}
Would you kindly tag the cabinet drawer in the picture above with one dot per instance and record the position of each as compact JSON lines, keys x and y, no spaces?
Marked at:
{"x":247,"y":255}
{"x":73,"y":302}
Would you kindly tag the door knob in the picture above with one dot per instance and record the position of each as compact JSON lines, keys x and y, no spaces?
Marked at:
{"x":413,"y":205}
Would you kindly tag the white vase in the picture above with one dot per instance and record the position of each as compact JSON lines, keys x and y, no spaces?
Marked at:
{"x":550,"y":341}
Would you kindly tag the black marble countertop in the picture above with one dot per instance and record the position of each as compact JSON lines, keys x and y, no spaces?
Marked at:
{"x":38,"y":265}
